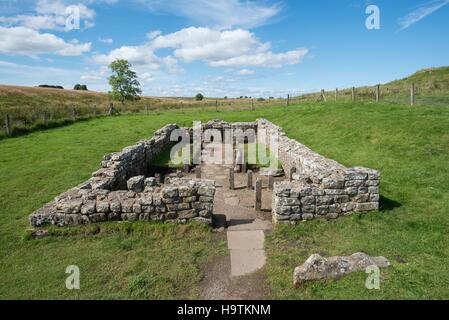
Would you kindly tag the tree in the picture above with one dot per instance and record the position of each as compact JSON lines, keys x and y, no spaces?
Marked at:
{"x":80,"y":87}
{"x":124,"y":81}
{"x":199,"y":97}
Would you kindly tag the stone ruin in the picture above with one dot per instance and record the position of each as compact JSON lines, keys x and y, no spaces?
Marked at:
{"x":123,"y":190}
{"x":120,"y":191}
{"x":318,"y":187}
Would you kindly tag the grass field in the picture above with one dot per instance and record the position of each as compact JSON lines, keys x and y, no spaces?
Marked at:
{"x":33,"y":109}
{"x":409,"y":145}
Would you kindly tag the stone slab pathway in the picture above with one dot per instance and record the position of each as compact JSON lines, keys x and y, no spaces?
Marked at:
{"x":241,"y":274}
{"x":247,"y":251}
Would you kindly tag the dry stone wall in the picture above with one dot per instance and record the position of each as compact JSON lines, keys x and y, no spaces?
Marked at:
{"x":181,"y":200}
{"x":120,"y":191}
{"x":319,"y":187}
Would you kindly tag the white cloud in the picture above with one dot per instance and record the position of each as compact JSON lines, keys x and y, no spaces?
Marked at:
{"x":246,"y":72}
{"x":229,"y":48}
{"x":219,"y":13}
{"x":51,"y":15}
{"x":25,"y":41}
{"x":106,"y":40}
{"x":421,"y":13}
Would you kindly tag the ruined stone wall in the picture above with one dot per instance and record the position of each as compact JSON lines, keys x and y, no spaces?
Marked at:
{"x":132,"y":161}
{"x":108,"y":195}
{"x":319,"y":187}
{"x":182,"y":200}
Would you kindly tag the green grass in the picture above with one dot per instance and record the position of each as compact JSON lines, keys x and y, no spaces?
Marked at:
{"x":431,"y":85}
{"x":146,"y":261}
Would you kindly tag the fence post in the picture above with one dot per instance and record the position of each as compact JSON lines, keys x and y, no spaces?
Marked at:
{"x":353,"y":94}
{"x":95,"y":110}
{"x":8,"y":125}
{"x":323,"y":95}
{"x":252,"y":104}
{"x":216,"y":105}
{"x":73,"y":114}
{"x":378,"y":93}
{"x":336,"y":94}
{"x":45,"y":118}
{"x":147,"y":109}
{"x":111,"y":109}
{"x":258,"y":205}
{"x":412,"y":95}
{"x":288,"y":100}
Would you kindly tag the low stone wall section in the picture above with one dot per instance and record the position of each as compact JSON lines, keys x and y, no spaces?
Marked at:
{"x":182,"y":200}
{"x":319,"y":187}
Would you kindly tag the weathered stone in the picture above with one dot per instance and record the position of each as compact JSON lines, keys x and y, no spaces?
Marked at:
{"x":308,"y":209}
{"x":361,"y":198}
{"x":169,"y":192}
{"x":308,"y":216}
{"x":187,"y":214}
{"x":136,"y":184}
{"x":364,"y":207}
{"x":88,"y":208}
{"x":329,"y":183}
{"x":317,"y":267}
{"x":311,"y":200}
{"x":137,"y":208}
{"x":150,"y":182}
{"x":288,"y":202}
{"x":115,"y":207}
{"x":271,"y":172}
{"x":283,"y":210}
{"x":69,"y":206}
{"x":207,"y":191}
{"x":185,"y":191}
{"x":322,"y":210}
{"x":324,"y":201}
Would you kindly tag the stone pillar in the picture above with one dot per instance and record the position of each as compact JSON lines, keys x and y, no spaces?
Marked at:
{"x":250,"y":180}
{"x":258,"y":204}
{"x":244,"y":166}
{"x":270,"y":182}
{"x":198,"y":172}
{"x":231,"y":179}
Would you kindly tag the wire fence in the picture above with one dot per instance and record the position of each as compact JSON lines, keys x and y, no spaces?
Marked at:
{"x":17,"y":120}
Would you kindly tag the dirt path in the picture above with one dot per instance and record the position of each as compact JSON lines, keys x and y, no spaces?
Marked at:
{"x":241,"y":274}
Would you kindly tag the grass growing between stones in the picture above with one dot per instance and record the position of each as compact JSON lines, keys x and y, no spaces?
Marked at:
{"x":154,"y":261}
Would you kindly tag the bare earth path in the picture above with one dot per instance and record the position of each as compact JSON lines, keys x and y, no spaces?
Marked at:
{"x":239,"y":275}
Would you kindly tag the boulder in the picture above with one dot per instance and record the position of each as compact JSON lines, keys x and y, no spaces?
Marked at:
{"x":318,"y":267}
{"x":136,"y":184}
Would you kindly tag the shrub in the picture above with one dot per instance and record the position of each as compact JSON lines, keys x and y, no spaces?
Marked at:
{"x":81,"y":87}
{"x":199,"y":97}
{"x":51,"y":87}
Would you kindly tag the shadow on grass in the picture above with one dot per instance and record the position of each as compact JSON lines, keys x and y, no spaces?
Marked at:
{"x":388,"y":204}
{"x":22,"y":131}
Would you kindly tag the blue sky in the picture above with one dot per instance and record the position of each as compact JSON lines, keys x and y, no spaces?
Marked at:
{"x":221,"y":47}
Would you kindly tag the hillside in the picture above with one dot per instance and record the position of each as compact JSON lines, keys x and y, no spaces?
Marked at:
{"x":432,"y":88}
{"x":31,"y":108}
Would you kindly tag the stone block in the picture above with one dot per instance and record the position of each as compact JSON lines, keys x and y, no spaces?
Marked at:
{"x":136,"y":184}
